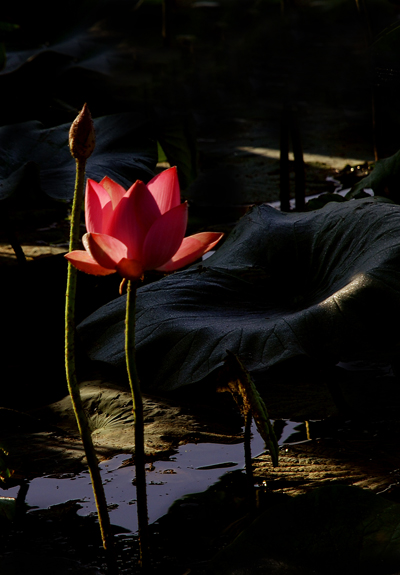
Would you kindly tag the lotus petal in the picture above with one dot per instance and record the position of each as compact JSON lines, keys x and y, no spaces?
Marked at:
{"x":98,"y":207}
{"x":114,"y":190}
{"x":165,"y":189}
{"x":192,"y":248}
{"x":164,"y":237}
{"x":133,"y":217}
{"x":84,"y":262}
{"x":130,"y":269}
{"x":105,"y":250}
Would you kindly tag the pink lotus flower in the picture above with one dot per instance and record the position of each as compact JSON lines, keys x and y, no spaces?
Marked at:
{"x":141,"y":229}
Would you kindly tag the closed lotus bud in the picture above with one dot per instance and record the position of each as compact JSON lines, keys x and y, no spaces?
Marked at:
{"x":81,"y":135}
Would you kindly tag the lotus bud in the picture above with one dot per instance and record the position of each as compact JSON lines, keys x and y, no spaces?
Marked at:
{"x":81,"y":135}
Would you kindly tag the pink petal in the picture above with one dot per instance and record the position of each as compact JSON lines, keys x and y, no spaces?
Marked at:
{"x":164,"y":237}
{"x":114,"y":190}
{"x":98,"y":207}
{"x":133,"y":217}
{"x":105,"y":250}
{"x":130,"y":269}
{"x":85,"y":263}
{"x":165,"y":189}
{"x":192,"y":248}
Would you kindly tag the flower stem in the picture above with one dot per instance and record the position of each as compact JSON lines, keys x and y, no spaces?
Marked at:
{"x":137,"y":406}
{"x":70,"y":367}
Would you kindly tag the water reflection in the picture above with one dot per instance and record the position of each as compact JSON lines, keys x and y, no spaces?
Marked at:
{"x":192,"y":469}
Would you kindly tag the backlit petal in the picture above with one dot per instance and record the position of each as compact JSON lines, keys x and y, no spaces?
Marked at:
{"x":133,"y":217}
{"x":85,"y":263}
{"x":105,"y":250}
{"x":98,"y":207}
{"x":130,"y":269}
{"x":192,"y":248}
{"x":165,"y":189}
{"x":164,"y":237}
{"x":114,"y":190}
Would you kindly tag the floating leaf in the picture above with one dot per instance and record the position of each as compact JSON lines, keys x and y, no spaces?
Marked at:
{"x":323,"y":285}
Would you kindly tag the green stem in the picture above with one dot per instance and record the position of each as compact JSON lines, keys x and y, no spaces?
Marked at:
{"x":137,"y":406}
{"x":248,"y":462}
{"x":70,"y":367}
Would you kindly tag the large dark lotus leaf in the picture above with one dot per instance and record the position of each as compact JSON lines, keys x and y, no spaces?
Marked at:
{"x":323,"y":284}
{"x":82,"y":67}
{"x":73,"y":48}
{"x":32,"y":156}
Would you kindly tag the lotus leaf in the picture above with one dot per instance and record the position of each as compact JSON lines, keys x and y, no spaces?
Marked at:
{"x":32,"y":155}
{"x":323,"y":285}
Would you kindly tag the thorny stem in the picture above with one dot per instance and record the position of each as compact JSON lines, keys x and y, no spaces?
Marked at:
{"x":73,"y":386}
{"x":137,"y":406}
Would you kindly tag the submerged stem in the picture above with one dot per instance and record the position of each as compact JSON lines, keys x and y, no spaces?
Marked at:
{"x":137,"y":406}
{"x":70,"y":367}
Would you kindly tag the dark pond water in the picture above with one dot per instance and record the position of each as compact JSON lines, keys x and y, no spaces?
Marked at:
{"x":192,"y":469}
